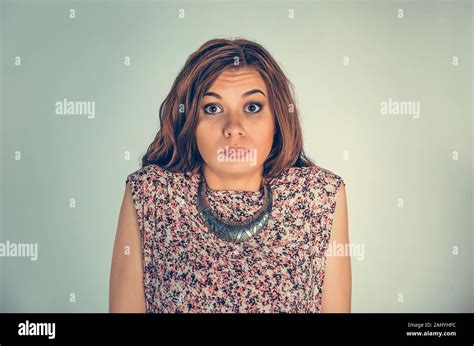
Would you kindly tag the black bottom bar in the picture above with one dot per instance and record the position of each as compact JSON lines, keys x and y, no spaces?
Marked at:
{"x":237,"y":329}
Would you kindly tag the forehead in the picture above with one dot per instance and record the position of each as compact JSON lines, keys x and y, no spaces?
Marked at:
{"x":242,"y":79}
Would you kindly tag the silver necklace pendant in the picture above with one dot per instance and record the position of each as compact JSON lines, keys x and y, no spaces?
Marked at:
{"x":236,"y":232}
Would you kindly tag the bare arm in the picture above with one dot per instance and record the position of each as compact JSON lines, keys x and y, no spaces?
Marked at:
{"x":126,"y":293}
{"x":337,"y":287}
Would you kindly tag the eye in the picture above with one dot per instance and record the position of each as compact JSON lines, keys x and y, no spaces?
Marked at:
{"x":210,"y":108}
{"x":255,"y":107}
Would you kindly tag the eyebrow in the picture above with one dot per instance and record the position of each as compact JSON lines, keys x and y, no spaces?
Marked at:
{"x":248,"y":93}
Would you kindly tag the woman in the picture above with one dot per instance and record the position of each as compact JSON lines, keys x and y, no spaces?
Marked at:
{"x":227,"y":214}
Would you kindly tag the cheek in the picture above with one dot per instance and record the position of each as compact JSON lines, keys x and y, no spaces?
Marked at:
{"x":204,"y":139}
{"x":200,"y":138}
{"x":268,"y":129}
{"x":201,"y":129}
{"x":199,"y":132}
{"x":264,"y":136}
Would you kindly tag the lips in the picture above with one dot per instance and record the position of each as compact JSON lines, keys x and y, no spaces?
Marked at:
{"x":234,"y":151}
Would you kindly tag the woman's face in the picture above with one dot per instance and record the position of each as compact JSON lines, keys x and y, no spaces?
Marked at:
{"x":236,"y":125}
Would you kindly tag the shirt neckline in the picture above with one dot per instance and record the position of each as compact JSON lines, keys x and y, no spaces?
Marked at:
{"x":220,"y":193}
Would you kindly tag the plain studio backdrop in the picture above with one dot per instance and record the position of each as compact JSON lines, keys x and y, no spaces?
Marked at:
{"x":385,"y":95}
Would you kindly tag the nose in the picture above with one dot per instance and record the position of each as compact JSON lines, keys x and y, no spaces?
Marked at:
{"x":233,"y":127}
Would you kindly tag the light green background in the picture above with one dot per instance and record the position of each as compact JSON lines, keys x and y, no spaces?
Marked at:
{"x":407,"y":250}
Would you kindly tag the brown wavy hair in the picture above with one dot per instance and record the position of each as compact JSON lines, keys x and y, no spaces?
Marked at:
{"x":174,"y":147}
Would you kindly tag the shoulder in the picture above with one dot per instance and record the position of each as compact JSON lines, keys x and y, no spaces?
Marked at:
{"x":147,"y":173}
{"x":329,"y":188}
{"x":147,"y":180}
{"x":312,"y":176}
{"x":327,"y":180}
{"x":323,"y":186}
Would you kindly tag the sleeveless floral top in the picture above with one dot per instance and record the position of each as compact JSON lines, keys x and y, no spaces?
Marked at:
{"x":189,"y":269}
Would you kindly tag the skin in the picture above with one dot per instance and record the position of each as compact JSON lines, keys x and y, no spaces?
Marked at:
{"x":337,"y":287}
{"x":126,"y":292}
{"x":235,"y":123}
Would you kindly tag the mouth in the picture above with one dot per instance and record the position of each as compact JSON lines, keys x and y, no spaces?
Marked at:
{"x":235,"y":151}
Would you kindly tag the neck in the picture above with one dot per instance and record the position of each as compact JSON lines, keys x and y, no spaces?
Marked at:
{"x":251,"y":181}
